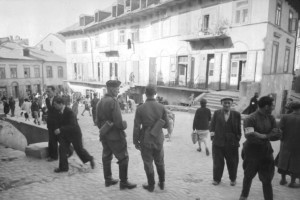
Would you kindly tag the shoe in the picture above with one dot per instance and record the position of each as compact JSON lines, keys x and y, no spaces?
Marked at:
{"x":161,"y":185}
{"x":92,"y":163}
{"x":282,"y":182}
{"x":58,"y":170}
{"x":232,"y":183}
{"x":111,"y":182}
{"x":294,"y":185}
{"x":199,"y":149}
{"x":150,"y":188}
{"x":127,"y":184}
{"x":207,"y":152}
{"x":242,"y":198}
{"x":51,"y":159}
{"x":216,"y":182}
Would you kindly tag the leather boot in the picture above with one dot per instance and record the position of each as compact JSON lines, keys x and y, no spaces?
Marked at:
{"x":151,"y":182}
{"x":123,"y":171}
{"x":107,"y":171}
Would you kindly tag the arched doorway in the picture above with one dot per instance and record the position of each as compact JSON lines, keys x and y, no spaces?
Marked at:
{"x":15,"y":89}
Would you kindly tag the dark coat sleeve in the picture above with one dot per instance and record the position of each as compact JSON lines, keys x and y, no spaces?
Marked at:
{"x":69,"y":123}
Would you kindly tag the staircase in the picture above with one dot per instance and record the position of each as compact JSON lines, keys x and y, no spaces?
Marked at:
{"x":214,"y":99}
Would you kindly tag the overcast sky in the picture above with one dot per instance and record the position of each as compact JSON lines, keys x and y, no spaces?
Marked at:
{"x":34,"y":19}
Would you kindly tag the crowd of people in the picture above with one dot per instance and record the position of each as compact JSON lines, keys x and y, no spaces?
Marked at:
{"x":151,"y":117}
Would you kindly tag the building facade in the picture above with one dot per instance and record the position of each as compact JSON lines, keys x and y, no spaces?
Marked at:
{"x":54,"y":43}
{"x":197,"y":45}
{"x":25,"y":70}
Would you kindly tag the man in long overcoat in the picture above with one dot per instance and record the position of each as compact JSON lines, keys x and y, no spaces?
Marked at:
{"x":151,"y":147}
{"x":289,"y":156}
{"x":114,"y":141}
{"x":226,"y":134}
{"x":52,"y":124}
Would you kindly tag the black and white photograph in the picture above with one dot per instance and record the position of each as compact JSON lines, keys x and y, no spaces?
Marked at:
{"x":149,"y":99}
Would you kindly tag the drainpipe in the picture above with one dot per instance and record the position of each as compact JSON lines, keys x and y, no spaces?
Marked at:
{"x":43,"y":81}
{"x":220,"y":83}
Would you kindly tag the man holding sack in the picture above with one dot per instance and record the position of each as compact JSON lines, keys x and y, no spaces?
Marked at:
{"x":109,"y":121}
{"x":150,"y":118}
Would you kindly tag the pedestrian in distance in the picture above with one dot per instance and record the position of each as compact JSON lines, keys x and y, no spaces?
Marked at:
{"x":35,"y":111}
{"x":257,"y":153}
{"x":86,"y":106}
{"x":26,"y":109}
{"x":5,"y":106}
{"x":253,"y":104}
{"x":201,"y":124}
{"x":225,"y":133}
{"x":94,"y":102}
{"x":289,"y":156}
{"x":288,"y":106}
{"x":69,"y":132}
{"x":75,"y":107}
{"x":148,"y":137}
{"x":191,"y":99}
{"x":114,"y":138}
{"x":12,"y":106}
{"x":171,"y":120}
{"x":52,"y":124}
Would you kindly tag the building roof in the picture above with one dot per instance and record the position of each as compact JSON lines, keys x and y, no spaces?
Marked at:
{"x":76,"y":28}
{"x":59,"y":36}
{"x":14,"y":51}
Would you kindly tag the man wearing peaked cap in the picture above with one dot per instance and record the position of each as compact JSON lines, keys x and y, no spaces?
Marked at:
{"x":226,"y":98}
{"x":114,"y":139}
{"x":113,"y":83}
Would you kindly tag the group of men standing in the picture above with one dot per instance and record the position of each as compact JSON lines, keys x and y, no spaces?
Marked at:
{"x":257,"y":153}
{"x":151,"y":117}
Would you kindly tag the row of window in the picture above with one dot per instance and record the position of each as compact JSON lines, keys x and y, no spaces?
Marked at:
{"x":291,"y":23}
{"x":274,"y":61}
{"x":49,"y":72}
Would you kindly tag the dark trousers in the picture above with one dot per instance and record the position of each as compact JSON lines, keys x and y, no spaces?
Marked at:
{"x":118,"y":148}
{"x":52,"y":144}
{"x":265,"y":167}
{"x":64,"y":150}
{"x":12,"y":111}
{"x":94,"y":115}
{"x":231,"y":155}
{"x":157,"y":155}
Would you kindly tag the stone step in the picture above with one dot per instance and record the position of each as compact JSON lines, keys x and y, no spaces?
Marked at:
{"x":37,"y":150}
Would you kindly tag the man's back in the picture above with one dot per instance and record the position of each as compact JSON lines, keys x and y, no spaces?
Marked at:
{"x":202,"y":118}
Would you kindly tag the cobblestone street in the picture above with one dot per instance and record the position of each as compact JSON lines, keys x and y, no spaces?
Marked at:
{"x":188,"y":172}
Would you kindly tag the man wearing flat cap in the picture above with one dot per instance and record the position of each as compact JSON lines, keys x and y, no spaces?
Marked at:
{"x":114,"y":140}
{"x":225,"y":133}
{"x":289,"y":156}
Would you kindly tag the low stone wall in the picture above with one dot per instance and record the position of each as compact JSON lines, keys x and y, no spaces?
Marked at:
{"x":32,"y":133}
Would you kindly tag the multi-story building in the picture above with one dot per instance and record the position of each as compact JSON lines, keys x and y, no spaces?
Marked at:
{"x":190,"y":45}
{"x":54,"y":43}
{"x":25,"y":69}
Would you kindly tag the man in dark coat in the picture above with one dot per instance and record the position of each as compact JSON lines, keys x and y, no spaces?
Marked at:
{"x":114,"y":141}
{"x":151,"y":147}
{"x":289,"y":156}
{"x":94,"y":102}
{"x":68,"y":132}
{"x":12,"y":106}
{"x":257,"y":153}
{"x":226,"y":133}
{"x":52,"y":124}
